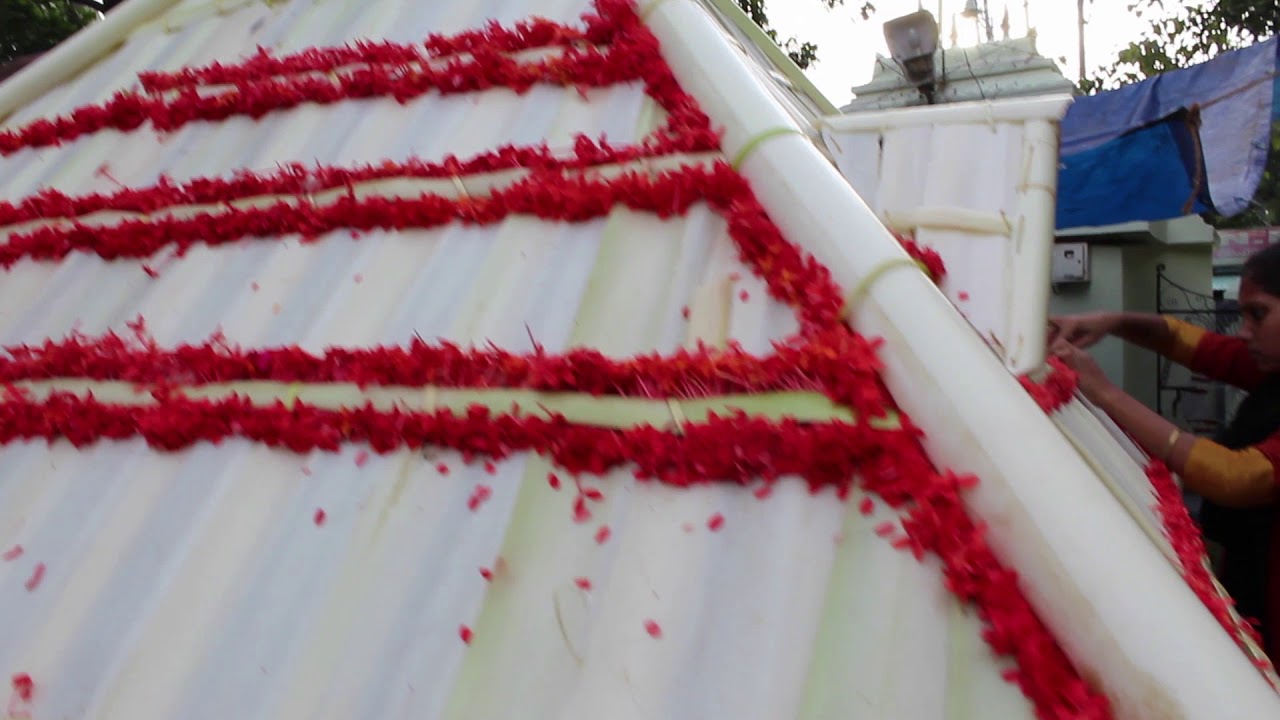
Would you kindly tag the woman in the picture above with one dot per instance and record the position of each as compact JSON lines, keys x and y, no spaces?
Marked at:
{"x":1237,"y":473}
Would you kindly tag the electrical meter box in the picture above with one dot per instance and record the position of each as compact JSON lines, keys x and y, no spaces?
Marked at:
{"x":1070,"y":263}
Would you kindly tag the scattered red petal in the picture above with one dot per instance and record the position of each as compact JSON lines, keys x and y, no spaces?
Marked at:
{"x":37,"y":575}
{"x":885,"y":529}
{"x":479,"y":496}
{"x":362,"y":457}
{"x":553,"y":480}
{"x":465,"y":633}
{"x":490,"y":468}
{"x":962,"y":295}
{"x":715,"y":522}
{"x":603,"y":535}
{"x":743,"y":295}
{"x":654,"y":630}
{"x":442,"y":469}
{"x":592,"y":494}
{"x":254,"y":286}
{"x":150,"y":270}
{"x":23,"y":686}
{"x":582,"y":583}
{"x":12,"y":553}
{"x":735,"y":276}
{"x":684,"y":312}
{"x":867,"y":506}
{"x":320,"y":517}
{"x":486,"y":573}
{"x":763,"y":491}
{"x":358,"y":277}
{"x":580,"y":512}
{"x":306,"y":471}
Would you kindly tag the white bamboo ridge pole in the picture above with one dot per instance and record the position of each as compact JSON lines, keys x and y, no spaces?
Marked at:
{"x":1119,"y":609}
{"x":81,"y":50}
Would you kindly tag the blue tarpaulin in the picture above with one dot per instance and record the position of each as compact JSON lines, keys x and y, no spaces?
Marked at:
{"x":1129,"y":154}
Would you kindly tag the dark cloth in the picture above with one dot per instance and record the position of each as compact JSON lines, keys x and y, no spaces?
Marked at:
{"x":1251,"y":551}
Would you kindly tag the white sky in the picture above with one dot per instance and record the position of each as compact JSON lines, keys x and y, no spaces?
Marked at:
{"x":847,"y":44}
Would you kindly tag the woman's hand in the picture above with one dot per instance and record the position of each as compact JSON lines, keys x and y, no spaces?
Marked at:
{"x":1092,"y":381}
{"x":1083,"y":330}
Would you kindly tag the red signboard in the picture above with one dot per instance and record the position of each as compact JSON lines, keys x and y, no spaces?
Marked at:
{"x":1237,"y":245}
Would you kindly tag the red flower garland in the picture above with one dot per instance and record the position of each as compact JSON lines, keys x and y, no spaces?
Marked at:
{"x":892,"y":464}
{"x":686,"y":373}
{"x":1188,"y":546}
{"x":299,"y":179}
{"x":734,"y":449}
{"x":1056,"y":390}
{"x":545,"y":194}
{"x":524,"y":35}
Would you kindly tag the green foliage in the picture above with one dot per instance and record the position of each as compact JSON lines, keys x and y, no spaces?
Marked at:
{"x":803,"y":54}
{"x":32,"y":26}
{"x":1190,"y":34}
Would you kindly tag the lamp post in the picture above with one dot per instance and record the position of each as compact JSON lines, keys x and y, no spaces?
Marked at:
{"x":972,"y":11}
{"x":912,"y":41}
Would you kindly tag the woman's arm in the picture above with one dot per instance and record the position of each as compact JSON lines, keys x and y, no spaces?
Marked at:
{"x":1143,"y":329}
{"x":1233,"y":478}
{"x":1220,"y":357}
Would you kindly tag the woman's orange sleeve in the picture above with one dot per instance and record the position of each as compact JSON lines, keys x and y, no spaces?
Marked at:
{"x":1221,"y":357}
{"x":1234,"y":478}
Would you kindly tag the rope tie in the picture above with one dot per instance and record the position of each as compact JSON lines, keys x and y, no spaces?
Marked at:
{"x":756,"y":141}
{"x":864,"y":285}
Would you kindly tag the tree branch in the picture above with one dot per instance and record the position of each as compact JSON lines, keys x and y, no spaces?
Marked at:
{"x":101,"y":7}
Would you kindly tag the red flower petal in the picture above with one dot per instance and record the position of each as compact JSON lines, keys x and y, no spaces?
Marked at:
{"x":553,"y":480}
{"x":319,"y":517}
{"x":37,"y":575}
{"x":465,"y":633}
{"x":479,"y":496}
{"x":486,"y":573}
{"x":362,"y":457}
{"x":715,"y":522}
{"x":603,"y":535}
{"x":652,"y":627}
{"x":582,"y":583}
{"x":867,"y":506}
{"x":23,"y":686}
{"x":12,"y":553}
{"x":885,"y":529}
{"x":580,"y":512}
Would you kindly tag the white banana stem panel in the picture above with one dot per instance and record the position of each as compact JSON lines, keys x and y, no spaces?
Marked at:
{"x":1108,"y":594}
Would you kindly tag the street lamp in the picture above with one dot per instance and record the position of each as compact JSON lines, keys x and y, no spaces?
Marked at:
{"x":912,"y":41}
{"x":972,"y":12}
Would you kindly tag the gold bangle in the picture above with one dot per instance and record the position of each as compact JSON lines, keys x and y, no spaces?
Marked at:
{"x":1173,"y":440}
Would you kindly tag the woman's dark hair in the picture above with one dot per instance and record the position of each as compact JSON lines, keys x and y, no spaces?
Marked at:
{"x":1263,"y":269}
